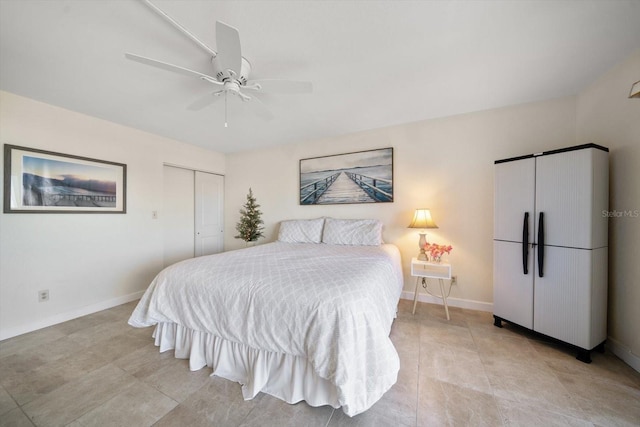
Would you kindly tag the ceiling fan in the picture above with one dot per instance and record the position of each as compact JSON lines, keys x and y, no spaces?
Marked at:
{"x":230,"y":70}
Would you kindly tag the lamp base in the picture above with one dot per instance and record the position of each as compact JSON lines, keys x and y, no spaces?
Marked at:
{"x":422,"y":256}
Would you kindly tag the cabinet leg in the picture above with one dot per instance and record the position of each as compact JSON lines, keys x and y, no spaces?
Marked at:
{"x":584,"y":356}
{"x":600,"y":347}
{"x":497,"y":321}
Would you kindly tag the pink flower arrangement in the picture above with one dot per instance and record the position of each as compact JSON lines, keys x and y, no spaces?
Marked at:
{"x":436,"y":251}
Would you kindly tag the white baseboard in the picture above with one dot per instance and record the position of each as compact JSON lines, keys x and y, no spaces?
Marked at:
{"x":452,"y":302}
{"x":624,"y":353}
{"x":69,"y":315}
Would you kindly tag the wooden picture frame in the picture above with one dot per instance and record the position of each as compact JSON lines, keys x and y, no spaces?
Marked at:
{"x":40,"y":181}
{"x":358,"y":177}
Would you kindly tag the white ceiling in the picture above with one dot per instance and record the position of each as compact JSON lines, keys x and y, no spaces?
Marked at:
{"x":372,"y":63}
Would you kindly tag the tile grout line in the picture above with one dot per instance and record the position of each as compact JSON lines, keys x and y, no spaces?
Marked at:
{"x":18,"y":406}
{"x":26,"y":416}
{"x":108,"y":400}
{"x":493,"y":393}
{"x":333,"y":411}
{"x":577,"y":403}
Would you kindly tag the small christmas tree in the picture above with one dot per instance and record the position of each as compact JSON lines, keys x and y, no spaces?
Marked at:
{"x":250,"y":225}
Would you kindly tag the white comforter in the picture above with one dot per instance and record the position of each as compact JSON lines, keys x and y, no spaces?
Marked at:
{"x":330,"y":304}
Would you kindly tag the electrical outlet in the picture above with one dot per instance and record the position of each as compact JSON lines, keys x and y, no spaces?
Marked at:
{"x":43,"y":295}
{"x":454,"y":280}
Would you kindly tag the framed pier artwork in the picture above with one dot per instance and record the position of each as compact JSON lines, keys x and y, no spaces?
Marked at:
{"x":360,"y":177}
{"x":39,"y":181}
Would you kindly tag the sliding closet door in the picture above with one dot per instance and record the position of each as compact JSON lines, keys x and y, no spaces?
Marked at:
{"x":177,"y":215}
{"x":208,"y":214}
{"x":192,"y":215}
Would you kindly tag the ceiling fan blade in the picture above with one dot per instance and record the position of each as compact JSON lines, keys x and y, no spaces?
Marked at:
{"x":259,"y":108}
{"x":170,"y":67}
{"x":204,"y":101}
{"x":180,"y":28}
{"x":229,"y":53}
{"x":282,"y":86}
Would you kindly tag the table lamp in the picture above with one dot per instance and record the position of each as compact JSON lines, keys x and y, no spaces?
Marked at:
{"x":422,"y":219}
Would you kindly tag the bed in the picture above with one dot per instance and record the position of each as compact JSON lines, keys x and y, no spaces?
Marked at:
{"x":305,"y":318}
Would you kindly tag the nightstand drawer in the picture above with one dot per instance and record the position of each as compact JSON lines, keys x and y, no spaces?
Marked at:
{"x":430,"y":269}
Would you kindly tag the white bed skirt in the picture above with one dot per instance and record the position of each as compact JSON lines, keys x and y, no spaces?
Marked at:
{"x":289,"y":378}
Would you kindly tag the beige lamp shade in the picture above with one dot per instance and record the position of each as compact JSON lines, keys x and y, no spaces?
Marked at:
{"x":422,"y":219}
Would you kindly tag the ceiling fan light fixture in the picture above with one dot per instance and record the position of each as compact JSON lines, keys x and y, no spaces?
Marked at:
{"x":230,"y":70}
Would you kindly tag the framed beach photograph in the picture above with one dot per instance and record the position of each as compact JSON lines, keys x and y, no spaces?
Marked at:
{"x":360,"y":177}
{"x":39,"y":181}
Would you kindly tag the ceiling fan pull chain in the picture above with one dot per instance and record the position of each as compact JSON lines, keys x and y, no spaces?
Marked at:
{"x":225,"y":109}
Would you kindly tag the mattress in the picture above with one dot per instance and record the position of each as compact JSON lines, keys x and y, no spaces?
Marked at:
{"x":298,"y":321}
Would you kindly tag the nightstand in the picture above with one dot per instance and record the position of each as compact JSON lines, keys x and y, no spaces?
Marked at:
{"x":423,"y":270}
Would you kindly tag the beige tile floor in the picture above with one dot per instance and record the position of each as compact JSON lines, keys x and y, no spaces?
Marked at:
{"x":98,"y":371}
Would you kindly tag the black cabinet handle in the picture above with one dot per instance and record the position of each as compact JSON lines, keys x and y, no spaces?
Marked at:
{"x":541,"y":245}
{"x":525,"y":243}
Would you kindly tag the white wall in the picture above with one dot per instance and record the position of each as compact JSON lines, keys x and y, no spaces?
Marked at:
{"x":88,"y":262}
{"x":605,"y":115}
{"x":445,"y":165}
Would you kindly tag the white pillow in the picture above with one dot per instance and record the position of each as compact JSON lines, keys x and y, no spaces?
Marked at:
{"x":362,"y":232}
{"x":301,"y":231}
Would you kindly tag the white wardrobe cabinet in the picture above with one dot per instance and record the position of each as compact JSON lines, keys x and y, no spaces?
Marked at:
{"x":550,"y":244}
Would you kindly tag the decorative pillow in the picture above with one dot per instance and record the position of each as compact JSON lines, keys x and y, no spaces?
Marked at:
{"x":362,"y":232}
{"x":301,"y":231}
